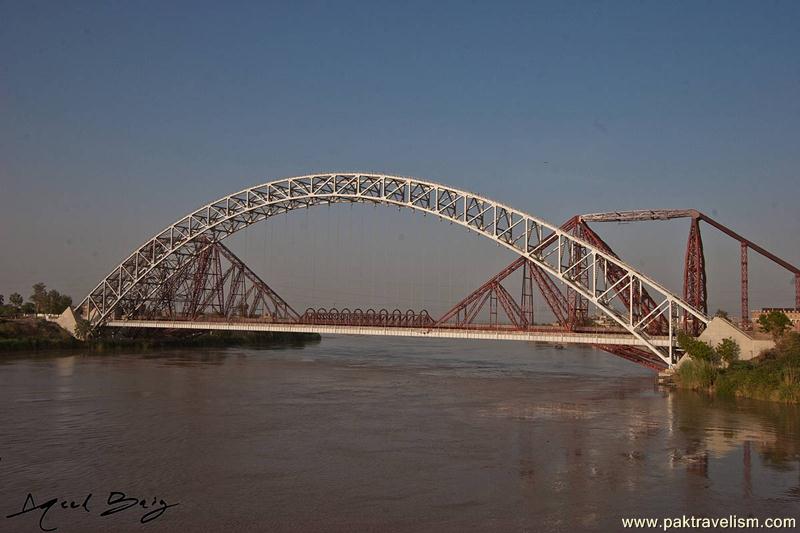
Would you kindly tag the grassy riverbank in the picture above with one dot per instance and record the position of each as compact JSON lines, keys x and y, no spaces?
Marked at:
{"x":28,"y":334}
{"x":34,"y":334}
{"x":774,"y":376}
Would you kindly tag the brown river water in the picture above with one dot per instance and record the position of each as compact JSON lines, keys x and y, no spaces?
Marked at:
{"x":377,"y":434}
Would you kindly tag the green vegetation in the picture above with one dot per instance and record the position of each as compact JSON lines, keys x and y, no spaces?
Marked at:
{"x":51,"y":302}
{"x":21,"y":330}
{"x":773,"y":376}
{"x":774,"y":322}
{"x":728,"y":351}
{"x":34,"y":334}
{"x":699,"y":350}
{"x":41,"y":301}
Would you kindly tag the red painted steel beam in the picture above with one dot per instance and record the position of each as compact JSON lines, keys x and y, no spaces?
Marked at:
{"x":480,"y":294}
{"x":634,"y":354}
{"x":527,"y":293}
{"x":694,"y":277}
{"x":797,"y":291}
{"x":750,"y":244}
{"x":645,"y":301}
{"x":745,"y":298}
{"x":370,"y":317}
{"x":264,"y":290}
{"x":555,"y":299}
{"x":667,"y":214}
{"x":200,"y":288}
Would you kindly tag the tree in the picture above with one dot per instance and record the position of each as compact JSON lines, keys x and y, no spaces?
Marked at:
{"x":2,"y":300}
{"x":28,"y":308}
{"x":63,"y":303}
{"x":697,"y":349}
{"x":775,"y":322}
{"x":56,"y":302}
{"x":39,"y":297}
{"x":15,"y":299}
{"x":728,"y":350}
{"x":721,"y":313}
{"x":82,"y":328}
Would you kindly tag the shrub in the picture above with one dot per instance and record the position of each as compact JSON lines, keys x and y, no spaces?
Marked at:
{"x":728,"y":350}
{"x":774,"y":377}
{"x":697,"y":374}
{"x":789,"y":347}
{"x":775,"y":322}
{"x":697,"y":349}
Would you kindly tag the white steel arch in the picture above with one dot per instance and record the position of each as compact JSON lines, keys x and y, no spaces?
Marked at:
{"x":571,"y":260}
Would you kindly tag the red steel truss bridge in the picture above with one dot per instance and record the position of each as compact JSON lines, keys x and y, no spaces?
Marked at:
{"x":184,"y":277}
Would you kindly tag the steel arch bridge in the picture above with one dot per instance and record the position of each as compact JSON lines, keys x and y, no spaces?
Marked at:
{"x":640,"y":307}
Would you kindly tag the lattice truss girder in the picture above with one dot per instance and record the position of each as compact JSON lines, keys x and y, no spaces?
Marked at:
{"x":694,"y":276}
{"x":582,"y":266}
{"x":211,"y":282}
{"x":465,"y":314}
{"x":638,"y":303}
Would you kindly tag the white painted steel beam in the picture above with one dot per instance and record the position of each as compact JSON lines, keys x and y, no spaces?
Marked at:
{"x":533,"y":238}
{"x":440,"y":333}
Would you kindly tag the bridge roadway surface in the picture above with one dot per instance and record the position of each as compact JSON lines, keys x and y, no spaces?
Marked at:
{"x":559,"y":337}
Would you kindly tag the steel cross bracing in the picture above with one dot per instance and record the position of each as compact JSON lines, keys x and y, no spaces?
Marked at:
{"x":463,"y":315}
{"x":578,"y":264}
{"x":213,"y":284}
{"x":694,"y":276}
{"x":635,"y":303}
{"x":694,"y":285}
{"x":216,"y":288}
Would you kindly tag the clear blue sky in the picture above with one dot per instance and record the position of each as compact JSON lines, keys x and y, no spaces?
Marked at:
{"x":119,"y":117}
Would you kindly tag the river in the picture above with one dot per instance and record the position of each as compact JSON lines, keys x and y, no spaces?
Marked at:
{"x":378,"y":434}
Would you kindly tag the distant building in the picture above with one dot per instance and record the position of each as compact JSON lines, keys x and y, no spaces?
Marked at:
{"x":792,"y":312}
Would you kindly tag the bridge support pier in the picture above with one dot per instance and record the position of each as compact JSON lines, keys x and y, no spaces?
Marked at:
{"x":745,"y":296}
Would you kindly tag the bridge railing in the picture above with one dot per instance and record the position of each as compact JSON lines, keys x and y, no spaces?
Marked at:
{"x":370,"y":317}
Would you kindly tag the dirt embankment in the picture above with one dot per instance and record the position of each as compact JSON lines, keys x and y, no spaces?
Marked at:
{"x":33,"y":334}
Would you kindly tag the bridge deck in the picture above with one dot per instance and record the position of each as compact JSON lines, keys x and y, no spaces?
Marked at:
{"x":559,"y":337}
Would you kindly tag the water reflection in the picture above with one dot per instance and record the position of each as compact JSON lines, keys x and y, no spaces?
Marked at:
{"x":722,"y":426}
{"x":392,"y":434}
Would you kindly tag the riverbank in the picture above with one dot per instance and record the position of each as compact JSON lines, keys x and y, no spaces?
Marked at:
{"x":37,"y":335}
{"x":34,"y":334}
{"x":773,"y":376}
